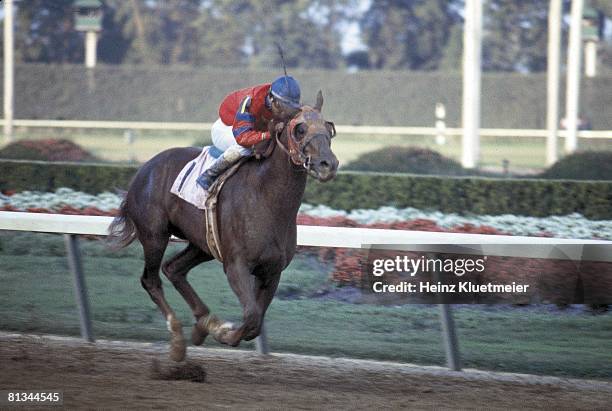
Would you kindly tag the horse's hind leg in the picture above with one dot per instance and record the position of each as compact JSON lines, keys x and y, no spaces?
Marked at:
{"x":176,"y":269}
{"x":154,"y":247}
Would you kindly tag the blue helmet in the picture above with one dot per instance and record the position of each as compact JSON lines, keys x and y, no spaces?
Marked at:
{"x":287,"y":90}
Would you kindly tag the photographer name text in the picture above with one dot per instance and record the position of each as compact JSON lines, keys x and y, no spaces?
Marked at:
{"x":461,"y":287}
{"x":457,"y":266}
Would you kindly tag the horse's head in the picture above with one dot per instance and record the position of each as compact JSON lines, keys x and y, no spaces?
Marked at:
{"x":309,"y":141}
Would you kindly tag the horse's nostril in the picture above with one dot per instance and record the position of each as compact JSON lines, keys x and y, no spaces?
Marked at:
{"x":324,"y":164}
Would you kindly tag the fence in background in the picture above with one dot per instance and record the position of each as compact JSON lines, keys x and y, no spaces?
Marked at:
{"x":369,"y":130}
{"x":317,"y":236}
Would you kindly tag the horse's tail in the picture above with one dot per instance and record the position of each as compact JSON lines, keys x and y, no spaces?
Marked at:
{"x":122,"y":231}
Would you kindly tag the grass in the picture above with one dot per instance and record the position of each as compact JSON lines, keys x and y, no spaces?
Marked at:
{"x":111,"y":145}
{"x":523,"y":153}
{"x":36,"y":297}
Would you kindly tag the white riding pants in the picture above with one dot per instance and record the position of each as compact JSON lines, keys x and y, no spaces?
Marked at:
{"x":223,"y":139}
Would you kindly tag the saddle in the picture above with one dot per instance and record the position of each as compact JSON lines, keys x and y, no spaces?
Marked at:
{"x":261,"y":151}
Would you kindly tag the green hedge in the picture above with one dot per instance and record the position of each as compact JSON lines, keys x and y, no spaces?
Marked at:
{"x":413,"y":160}
{"x":477,"y":195}
{"x":352,"y":190}
{"x":390,"y":98}
{"x":586,"y":165}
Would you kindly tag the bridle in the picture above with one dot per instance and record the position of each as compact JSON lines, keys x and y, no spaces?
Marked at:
{"x":296,"y":149}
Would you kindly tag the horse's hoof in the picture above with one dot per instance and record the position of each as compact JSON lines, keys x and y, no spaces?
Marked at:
{"x":223,"y":333}
{"x":178,"y":348}
{"x":174,"y":325}
{"x":198,"y":333}
{"x":220,"y":331}
{"x":209,"y":323}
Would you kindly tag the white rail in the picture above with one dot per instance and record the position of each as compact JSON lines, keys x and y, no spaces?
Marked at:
{"x":368,"y":130}
{"x":119,"y":125}
{"x":342,"y":237}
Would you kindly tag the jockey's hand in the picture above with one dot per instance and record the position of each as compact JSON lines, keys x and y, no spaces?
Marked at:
{"x":275,"y":127}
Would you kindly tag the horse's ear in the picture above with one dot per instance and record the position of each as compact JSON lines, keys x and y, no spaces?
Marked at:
{"x":319,"y":102}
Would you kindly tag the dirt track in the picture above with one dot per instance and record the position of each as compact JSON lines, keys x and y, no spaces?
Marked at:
{"x":119,"y":375}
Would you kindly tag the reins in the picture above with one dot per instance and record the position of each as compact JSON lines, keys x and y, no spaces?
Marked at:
{"x":300,"y":167}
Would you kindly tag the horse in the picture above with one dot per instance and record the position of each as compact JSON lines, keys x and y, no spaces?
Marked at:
{"x":256,"y":215}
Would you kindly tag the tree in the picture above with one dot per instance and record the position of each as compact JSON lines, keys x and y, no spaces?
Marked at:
{"x":140,"y":24}
{"x":515,"y":35}
{"x":605,"y":46}
{"x":452,"y":54}
{"x":220,"y":39}
{"x":408,"y":33}
{"x":196,"y":32}
{"x":308,"y":30}
{"x":225,"y":33}
{"x":44,"y":32}
{"x":113,"y":43}
{"x":605,"y":6}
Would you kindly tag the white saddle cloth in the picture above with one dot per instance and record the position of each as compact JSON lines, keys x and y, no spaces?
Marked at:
{"x":185,"y":185}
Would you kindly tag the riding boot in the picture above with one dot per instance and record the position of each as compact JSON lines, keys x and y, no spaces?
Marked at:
{"x":219,"y":166}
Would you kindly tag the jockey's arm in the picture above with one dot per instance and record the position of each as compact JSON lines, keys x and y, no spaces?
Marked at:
{"x":244,"y":126}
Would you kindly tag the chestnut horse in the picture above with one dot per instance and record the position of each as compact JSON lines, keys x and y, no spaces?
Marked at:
{"x":256,"y":216}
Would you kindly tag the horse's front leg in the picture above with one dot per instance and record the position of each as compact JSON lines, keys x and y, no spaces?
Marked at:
{"x":265,"y":293}
{"x":246,"y":286}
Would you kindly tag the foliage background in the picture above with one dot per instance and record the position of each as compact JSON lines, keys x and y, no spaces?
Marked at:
{"x":412,"y":35}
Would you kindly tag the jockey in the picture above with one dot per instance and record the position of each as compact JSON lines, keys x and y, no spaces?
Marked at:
{"x":245,"y":117}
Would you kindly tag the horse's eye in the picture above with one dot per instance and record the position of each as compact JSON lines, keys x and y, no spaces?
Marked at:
{"x":300,"y":130}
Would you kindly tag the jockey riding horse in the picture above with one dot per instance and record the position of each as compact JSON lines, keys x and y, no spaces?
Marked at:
{"x":248,"y":116}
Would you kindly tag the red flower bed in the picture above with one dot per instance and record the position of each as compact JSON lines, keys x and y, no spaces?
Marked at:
{"x":64,"y":210}
{"x":303,"y":219}
{"x":419,"y":224}
{"x":348,"y":265}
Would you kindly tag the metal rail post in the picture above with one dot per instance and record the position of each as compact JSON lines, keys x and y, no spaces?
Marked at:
{"x":80,"y":290}
{"x":451,"y":344}
{"x":450,"y":338}
{"x":261,"y":342}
